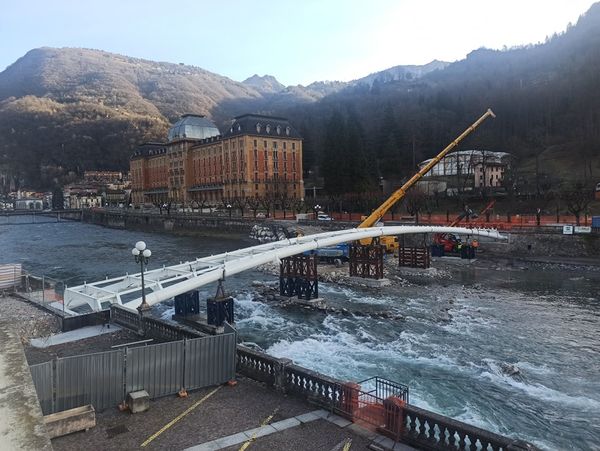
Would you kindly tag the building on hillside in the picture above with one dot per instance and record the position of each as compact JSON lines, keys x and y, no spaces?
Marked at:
{"x":29,"y":203}
{"x":102,"y":177}
{"x":469,"y":170}
{"x":257,"y":157}
{"x":77,"y":197}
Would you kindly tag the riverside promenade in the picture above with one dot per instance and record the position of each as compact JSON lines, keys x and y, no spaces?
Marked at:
{"x":21,"y":421}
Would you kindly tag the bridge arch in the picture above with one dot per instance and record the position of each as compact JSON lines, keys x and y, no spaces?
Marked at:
{"x":170,"y":281}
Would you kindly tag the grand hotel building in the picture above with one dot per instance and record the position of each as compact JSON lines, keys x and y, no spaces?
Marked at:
{"x":258,"y":156}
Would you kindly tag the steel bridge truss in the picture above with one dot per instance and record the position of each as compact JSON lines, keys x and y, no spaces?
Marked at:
{"x":169,"y":281}
{"x":298,"y":277}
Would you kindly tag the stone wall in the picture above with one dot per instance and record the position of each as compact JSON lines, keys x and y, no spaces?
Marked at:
{"x":182,"y":224}
{"x":549,"y":244}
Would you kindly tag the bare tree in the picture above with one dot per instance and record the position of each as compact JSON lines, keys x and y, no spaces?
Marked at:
{"x":415,"y":201}
{"x":577,"y":198}
{"x":240,"y":204}
{"x":253,"y":204}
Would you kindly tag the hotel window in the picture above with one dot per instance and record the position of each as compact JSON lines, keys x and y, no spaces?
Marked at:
{"x":293,"y":146}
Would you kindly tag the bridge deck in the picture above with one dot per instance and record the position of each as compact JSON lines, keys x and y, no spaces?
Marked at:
{"x":167,"y":282}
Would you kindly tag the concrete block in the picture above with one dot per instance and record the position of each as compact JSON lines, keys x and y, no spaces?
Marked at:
{"x":232,"y":440}
{"x":339,"y":421}
{"x":72,"y":420}
{"x":386,"y":443}
{"x":138,"y":401}
{"x":286,"y":424}
{"x":322,"y":413}
{"x":260,"y":432}
{"x":308,"y":417}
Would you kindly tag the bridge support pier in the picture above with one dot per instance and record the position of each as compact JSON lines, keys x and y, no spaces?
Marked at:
{"x":298,"y":277}
{"x":366,"y":261}
{"x":219,"y":309}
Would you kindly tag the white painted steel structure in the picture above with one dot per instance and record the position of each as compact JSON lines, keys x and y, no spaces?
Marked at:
{"x":167,"y":282}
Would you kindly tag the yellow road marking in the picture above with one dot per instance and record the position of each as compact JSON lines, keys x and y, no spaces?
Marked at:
{"x":347,"y":445}
{"x":264,"y":423}
{"x":179,"y":417}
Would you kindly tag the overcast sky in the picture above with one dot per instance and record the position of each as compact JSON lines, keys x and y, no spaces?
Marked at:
{"x":297,"y":41}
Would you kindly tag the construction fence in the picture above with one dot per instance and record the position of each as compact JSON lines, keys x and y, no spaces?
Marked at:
{"x":103,"y":379}
{"x":41,"y":289}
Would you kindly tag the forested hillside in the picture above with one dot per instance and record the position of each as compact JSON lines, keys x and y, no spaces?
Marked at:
{"x":67,"y":110}
{"x":547,"y":99}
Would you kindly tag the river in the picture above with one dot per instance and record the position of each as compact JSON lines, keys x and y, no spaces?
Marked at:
{"x":460,"y":332}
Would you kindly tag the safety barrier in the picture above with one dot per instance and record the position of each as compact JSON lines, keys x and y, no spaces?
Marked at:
{"x":428,"y":430}
{"x":151,"y":327}
{"x":103,"y":379}
{"x":376,"y":402}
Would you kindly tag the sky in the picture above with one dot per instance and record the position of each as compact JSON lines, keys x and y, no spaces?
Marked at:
{"x":297,"y":41}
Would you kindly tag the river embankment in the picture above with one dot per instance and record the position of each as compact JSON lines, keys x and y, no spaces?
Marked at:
{"x":523,"y":243}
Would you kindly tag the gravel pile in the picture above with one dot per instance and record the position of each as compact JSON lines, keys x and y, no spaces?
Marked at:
{"x":29,"y":320}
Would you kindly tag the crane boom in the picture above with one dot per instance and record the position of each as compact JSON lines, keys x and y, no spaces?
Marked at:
{"x":377,"y":214}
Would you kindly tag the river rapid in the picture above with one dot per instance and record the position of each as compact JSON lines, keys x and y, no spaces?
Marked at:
{"x":461,"y":332}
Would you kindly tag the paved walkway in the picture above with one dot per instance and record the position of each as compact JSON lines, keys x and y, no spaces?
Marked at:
{"x":223,"y":418}
{"x":252,"y":436}
{"x":74,"y":335}
{"x":21,"y":421}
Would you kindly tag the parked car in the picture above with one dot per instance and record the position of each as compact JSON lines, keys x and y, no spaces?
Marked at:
{"x":324,"y":217}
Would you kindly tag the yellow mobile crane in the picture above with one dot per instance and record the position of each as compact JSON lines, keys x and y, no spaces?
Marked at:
{"x":391,"y":242}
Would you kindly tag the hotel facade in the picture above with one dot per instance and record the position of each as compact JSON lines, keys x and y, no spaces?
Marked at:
{"x":257,"y":157}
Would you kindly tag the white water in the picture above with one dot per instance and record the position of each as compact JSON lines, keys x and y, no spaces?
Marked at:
{"x":451,"y":354}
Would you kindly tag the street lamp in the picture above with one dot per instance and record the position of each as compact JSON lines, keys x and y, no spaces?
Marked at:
{"x":229,"y":210}
{"x":142,"y":255}
{"x":317,"y":209}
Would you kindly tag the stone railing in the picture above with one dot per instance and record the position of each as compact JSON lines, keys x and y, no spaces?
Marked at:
{"x":257,"y":365}
{"x":428,"y":430}
{"x":125,"y":317}
{"x":151,"y":327}
{"x":403,"y":422}
{"x":317,"y":388}
{"x":284,"y":376}
{"x":162,"y":330}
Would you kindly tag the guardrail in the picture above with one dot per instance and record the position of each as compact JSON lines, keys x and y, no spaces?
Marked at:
{"x":151,"y":327}
{"x":376,"y":400}
{"x":428,"y":430}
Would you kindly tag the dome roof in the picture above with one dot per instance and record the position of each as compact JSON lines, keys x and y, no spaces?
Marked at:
{"x":192,"y":126}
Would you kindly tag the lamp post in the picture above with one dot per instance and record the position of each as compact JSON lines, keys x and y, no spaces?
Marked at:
{"x":317,"y":209}
{"x":142,"y":254}
{"x":229,"y":210}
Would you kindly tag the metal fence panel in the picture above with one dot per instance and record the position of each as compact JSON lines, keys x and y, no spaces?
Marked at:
{"x":10,"y":275}
{"x":158,"y":369}
{"x":209,"y":360}
{"x":42,"y":376}
{"x":95,"y":379}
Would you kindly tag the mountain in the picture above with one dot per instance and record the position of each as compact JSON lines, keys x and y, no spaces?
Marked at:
{"x":546,"y":97}
{"x":266,"y":84}
{"x":73,"y":109}
{"x":402,"y":73}
{"x":68,"y":110}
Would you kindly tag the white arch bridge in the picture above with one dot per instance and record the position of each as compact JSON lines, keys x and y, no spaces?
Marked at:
{"x":169,"y":281}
